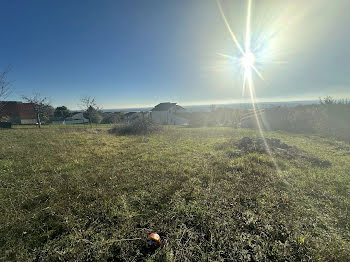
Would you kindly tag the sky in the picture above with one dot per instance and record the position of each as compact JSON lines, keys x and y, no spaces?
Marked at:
{"x":139,"y":53}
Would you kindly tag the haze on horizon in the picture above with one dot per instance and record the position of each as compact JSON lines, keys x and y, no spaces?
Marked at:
{"x":139,"y":53}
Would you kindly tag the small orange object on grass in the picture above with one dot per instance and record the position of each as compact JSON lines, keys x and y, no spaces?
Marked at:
{"x":153,"y":240}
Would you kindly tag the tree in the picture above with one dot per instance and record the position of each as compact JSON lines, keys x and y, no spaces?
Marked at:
{"x":5,"y":88}
{"x":93,"y":115}
{"x":62,"y":112}
{"x":111,"y":118}
{"x":328,"y":100}
{"x":91,"y":110}
{"x":4,"y":84}
{"x":41,"y":106}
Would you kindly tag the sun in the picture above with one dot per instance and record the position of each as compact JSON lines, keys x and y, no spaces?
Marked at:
{"x":248,"y":60}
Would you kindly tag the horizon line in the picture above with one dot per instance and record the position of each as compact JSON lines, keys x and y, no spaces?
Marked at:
{"x":246,"y":101}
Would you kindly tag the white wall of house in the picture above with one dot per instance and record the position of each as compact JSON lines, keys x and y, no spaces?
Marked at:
{"x":169,"y":117}
{"x":75,"y":119}
{"x":28,"y":121}
{"x":160,"y":117}
{"x":180,"y":120}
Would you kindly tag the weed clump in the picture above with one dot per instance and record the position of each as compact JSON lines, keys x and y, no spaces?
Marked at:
{"x":257,"y":145}
{"x":138,"y":127}
{"x":248,"y":145}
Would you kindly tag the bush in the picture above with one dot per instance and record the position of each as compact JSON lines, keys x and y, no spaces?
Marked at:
{"x":198,"y":119}
{"x":111,"y":118}
{"x":138,"y":127}
{"x":330,"y":118}
{"x":216,"y":117}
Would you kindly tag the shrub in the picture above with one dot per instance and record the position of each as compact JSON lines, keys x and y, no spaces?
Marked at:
{"x":138,"y":127}
{"x":216,"y":117}
{"x":198,"y":119}
{"x":330,"y":118}
{"x":111,"y":118}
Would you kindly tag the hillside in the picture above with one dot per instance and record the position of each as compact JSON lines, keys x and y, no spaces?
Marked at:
{"x":81,"y":194}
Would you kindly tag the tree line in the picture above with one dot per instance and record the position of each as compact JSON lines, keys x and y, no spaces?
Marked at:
{"x":88,"y":105}
{"x":329,"y":118}
{"x":45,"y":112}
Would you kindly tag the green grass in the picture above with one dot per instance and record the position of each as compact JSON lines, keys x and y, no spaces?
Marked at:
{"x":76,"y":194}
{"x":67,"y":126}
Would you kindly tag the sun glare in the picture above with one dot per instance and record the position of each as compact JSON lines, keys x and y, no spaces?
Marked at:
{"x":247,"y":61}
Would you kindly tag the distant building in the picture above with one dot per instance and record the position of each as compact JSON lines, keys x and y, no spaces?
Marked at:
{"x":169,"y":114}
{"x":77,"y":118}
{"x":18,"y":112}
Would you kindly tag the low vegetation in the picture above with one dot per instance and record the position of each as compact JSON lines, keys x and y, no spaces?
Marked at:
{"x":82,"y":194}
{"x":329,"y":118}
{"x":143,"y":126}
{"x":216,"y":117}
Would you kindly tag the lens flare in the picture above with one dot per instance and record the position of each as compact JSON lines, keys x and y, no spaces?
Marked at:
{"x":247,"y":63}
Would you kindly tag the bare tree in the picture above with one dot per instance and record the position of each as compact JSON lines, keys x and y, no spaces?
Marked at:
{"x":41,"y":106}
{"x":4,"y":84}
{"x":91,"y":110}
{"x":5,"y":87}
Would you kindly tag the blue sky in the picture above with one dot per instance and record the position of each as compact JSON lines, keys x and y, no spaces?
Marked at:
{"x":135,"y":53}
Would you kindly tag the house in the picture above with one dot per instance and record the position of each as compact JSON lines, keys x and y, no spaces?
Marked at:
{"x":169,"y":114}
{"x":18,"y":112}
{"x":77,"y":118}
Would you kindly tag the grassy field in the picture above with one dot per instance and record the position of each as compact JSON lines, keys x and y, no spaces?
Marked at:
{"x":81,"y":194}
{"x":68,"y":126}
